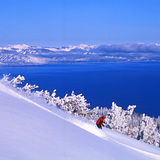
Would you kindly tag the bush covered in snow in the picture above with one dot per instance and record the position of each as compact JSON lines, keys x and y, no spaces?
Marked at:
{"x":140,"y":127}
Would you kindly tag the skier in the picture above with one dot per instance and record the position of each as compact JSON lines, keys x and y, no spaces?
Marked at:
{"x":100,"y":122}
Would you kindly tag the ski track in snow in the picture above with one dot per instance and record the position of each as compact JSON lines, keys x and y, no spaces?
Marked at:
{"x":90,"y":127}
{"x":155,"y":156}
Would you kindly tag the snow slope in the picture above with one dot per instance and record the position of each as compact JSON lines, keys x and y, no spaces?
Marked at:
{"x":31,"y":130}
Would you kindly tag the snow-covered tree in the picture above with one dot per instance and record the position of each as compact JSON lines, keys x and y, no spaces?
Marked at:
{"x":50,"y":99}
{"x":119,"y":119}
{"x":5,"y":78}
{"x":54,"y":100}
{"x":148,"y":131}
{"x":114,"y":117}
{"x":39,"y":93}
{"x":47,"y":96}
{"x":97,"y":112}
{"x":28,"y":87}
{"x":75,"y":104}
{"x":158,"y":123}
{"x":135,"y":125}
{"x":127,"y":121}
{"x":17,"y":80}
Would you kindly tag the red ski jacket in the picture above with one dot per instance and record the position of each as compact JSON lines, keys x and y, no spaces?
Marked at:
{"x":100,"y":120}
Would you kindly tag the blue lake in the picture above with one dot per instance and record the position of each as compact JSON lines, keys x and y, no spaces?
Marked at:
{"x":100,"y":83}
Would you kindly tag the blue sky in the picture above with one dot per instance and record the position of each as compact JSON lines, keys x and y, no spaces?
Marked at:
{"x":72,"y":22}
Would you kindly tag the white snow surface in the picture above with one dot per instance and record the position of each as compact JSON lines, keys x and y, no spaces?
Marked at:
{"x":17,"y":46}
{"x":32,"y":130}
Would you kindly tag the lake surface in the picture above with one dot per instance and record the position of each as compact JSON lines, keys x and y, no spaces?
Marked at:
{"x":101,"y":84}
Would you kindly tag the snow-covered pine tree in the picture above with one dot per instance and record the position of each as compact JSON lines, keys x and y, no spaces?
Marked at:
{"x":93,"y":114}
{"x":28,"y":87}
{"x":17,"y":80}
{"x":127,"y":121}
{"x":158,"y":123}
{"x":56,"y":101}
{"x":135,"y":125}
{"x":148,"y":131}
{"x":115,"y":117}
{"x":119,"y":119}
{"x":75,"y":104}
{"x":39,"y":93}
{"x":47,"y":96}
{"x":5,"y":78}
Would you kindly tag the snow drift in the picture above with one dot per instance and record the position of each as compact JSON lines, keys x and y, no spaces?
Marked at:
{"x":31,"y":130}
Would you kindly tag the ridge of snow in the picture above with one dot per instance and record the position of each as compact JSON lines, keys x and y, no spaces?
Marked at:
{"x":81,"y":46}
{"x":18,"y":46}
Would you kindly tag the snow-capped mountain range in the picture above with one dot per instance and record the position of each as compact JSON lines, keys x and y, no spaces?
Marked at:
{"x":23,"y":54}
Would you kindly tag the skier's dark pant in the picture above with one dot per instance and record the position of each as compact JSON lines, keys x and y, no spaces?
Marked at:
{"x":99,"y":126}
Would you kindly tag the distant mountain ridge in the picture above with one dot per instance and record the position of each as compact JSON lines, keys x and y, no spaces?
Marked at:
{"x":22,"y":54}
